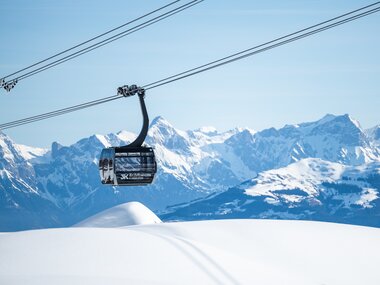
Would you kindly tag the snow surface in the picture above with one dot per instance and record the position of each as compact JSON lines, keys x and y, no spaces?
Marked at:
{"x":127,"y":214}
{"x":305,"y":174}
{"x":309,"y":175}
{"x":207,"y":252}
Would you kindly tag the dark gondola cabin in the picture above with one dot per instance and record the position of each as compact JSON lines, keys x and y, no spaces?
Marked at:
{"x":133,"y":164}
{"x":127,"y":166}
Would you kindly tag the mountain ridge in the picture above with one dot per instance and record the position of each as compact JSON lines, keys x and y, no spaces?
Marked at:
{"x":191,"y":164}
{"x":310,"y":189}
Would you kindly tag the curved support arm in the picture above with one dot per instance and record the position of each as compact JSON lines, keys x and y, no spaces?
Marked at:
{"x":144,"y":130}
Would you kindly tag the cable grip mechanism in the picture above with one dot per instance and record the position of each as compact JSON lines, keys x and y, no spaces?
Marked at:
{"x":8,"y":86}
{"x":130,"y":90}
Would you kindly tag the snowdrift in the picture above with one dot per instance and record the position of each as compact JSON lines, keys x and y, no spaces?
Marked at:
{"x":205,"y":252}
{"x":127,"y":214}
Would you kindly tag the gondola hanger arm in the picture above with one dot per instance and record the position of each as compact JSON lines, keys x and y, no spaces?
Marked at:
{"x":132,"y":90}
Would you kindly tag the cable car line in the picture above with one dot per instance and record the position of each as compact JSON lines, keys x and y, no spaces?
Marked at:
{"x":267,"y":43}
{"x":217,"y":63}
{"x":109,"y":40}
{"x":92,"y":39}
{"x":58,"y":112}
{"x":231,"y":58}
{"x":8,"y":85}
{"x":105,"y":42}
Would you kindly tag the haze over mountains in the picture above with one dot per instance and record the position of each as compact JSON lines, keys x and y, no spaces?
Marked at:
{"x":324,"y":170}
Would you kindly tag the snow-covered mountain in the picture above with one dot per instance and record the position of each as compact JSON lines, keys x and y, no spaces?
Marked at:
{"x":21,"y":203}
{"x":374,"y":134}
{"x":67,"y":177}
{"x":311,"y":189}
{"x":70,"y":179}
{"x":333,"y":138}
{"x":191,"y":165}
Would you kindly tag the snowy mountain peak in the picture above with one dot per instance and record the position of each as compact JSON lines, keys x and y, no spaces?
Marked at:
{"x":374,"y":134}
{"x":55,"y":148}
{"x":344,"y":121}
{"x":209,"y":130}
{"x":332,"y":124}
{"x":336,"y":132}
{"x":353,"y":121}
{"x":16,"y":176}
{"x":161,"y":132}
{"x":30,"y":153}
{"x":347,"y":119}
{"x":86,"y":145}
{"x":126,"y":136}
{"x":326,"y":118}
{"x":162,"y":127}
{"x":242,"y":138}
{"x":6,"y":147}
{"x":160,"y":122}
{"x":102,"y":139}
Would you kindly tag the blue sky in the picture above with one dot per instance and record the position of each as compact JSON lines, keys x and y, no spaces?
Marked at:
{"x":336,"y":71}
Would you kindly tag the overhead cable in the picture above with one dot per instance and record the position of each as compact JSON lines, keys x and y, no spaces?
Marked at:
{"x":109,"y":40}
{"x":92,"y":39}
{"x":9,"y":84}
{"x":268,"y":45}
{"x":217,"y":63}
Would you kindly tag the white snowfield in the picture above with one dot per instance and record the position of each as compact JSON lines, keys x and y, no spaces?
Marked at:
{"x":127,"y":214}
{"x":207,"y":252}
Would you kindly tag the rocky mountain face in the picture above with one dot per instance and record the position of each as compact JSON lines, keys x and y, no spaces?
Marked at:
{"x":374,"y":135}
{"x":61,"y":186}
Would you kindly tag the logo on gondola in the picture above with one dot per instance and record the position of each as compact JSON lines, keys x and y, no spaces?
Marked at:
{"x":124,"y":176}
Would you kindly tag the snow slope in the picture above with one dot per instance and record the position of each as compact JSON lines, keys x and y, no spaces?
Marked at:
{"x":206,"y":252}
{"x":127,"y":214}
{"x":309,"y":189}
{"x":30,"y":153}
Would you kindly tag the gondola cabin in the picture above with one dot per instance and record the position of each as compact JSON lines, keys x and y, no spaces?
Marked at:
{"x":133,"y":164}
{"x":127,"y":166}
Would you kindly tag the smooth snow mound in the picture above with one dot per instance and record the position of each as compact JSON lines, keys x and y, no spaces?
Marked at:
{"x":264,"y":252}
{"x":128,"y":214}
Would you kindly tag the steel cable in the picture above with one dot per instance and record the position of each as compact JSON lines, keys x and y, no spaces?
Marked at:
{"x":92,"y":39}
{"x":217,"y":63}
{"x":102,"y":42}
